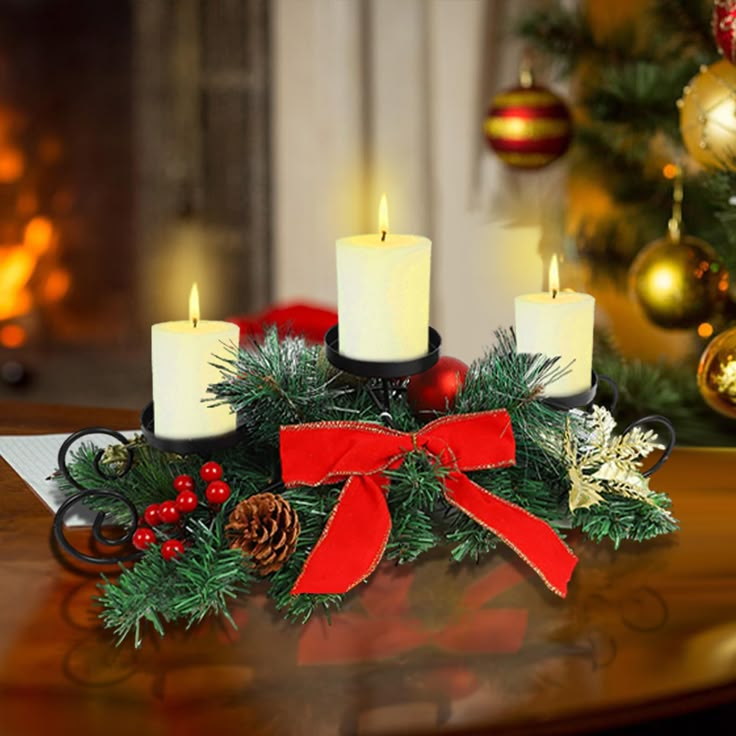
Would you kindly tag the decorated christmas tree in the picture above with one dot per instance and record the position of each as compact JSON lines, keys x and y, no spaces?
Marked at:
{"x":652,"y":170}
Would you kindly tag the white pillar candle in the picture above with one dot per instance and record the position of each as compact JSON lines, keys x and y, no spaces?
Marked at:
{"x":181,"y":357}
{"x":383,"y":294}
{"x":558,"y":323}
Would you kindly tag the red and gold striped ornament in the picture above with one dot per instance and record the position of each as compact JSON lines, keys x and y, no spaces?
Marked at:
{"x":528,"y":126}
{"x":724,"y":28}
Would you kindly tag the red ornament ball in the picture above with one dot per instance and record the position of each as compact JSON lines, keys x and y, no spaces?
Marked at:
{"x":168,"y":513}
{"x":723,"y":22}
{"x":151,"y":514}
{"x":217,"y":492}
{"x":186,"y":501}
{"x":143,"y":538}
{"x":211,"y":471}
{"x":528,"y":126}
{"x":183,"y":483}
{"x":434,"y":391}
{"x":172,"y":548}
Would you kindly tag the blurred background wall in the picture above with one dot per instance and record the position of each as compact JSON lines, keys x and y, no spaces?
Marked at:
{"x":146,"y":144}
{"x":384,"y":96}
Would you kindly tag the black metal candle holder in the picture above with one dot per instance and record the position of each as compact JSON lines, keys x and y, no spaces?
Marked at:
{"x":385,"y":372}
{"x":667,"y":424}
{"x":381,"y":368}
{"x":187,"y":446}
{"x":584,"y":399}
{"x":90,"y":493}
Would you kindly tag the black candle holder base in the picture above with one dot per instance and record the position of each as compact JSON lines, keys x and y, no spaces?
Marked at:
{"x":186,"y":446}
{"x":388,"y":373}
{"x":380,"y":368}
{"x":584,"y":399}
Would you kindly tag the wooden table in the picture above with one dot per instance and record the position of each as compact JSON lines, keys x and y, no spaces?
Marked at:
{"x":647,"y":631}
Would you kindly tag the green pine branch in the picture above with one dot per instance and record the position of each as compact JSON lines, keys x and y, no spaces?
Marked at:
{"x":413,"y":495}
{"x":158,"y":591}
{"x":619,"y":518}
{"x":638,"y":98}
{"x":685,"y":27}
{"x":566,"y":38}
{"x":314,"y":506}
{"x":282,"y":382}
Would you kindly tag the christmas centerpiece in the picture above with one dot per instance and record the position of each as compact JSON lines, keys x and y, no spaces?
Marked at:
{"x":368,"y":447}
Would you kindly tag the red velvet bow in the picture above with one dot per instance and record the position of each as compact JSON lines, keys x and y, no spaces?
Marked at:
{"x":355,"y":536}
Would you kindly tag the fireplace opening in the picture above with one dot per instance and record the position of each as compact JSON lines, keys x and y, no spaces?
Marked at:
{"x":133,"y":161}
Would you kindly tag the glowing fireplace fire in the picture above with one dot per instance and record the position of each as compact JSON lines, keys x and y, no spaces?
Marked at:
{"x":31,"y":277}
{"x":133,"y":157}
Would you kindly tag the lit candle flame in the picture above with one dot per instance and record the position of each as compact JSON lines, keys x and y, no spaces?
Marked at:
{"x":194,"y":304}
{"x":383,"y":217}
{"x":554,"y":276}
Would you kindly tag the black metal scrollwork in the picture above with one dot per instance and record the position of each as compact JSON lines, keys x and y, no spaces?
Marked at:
{"x":585,"y":401}
{"x":85,"y":493}
{"x":613,"y":386}
{"x":656,"y":419}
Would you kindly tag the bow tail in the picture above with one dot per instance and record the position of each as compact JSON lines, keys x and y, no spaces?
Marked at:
{"x":531,"y":538}
{"x":352,"y":541}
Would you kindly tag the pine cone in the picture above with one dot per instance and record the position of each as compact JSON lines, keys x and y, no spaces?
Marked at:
{"x":266,"y":528}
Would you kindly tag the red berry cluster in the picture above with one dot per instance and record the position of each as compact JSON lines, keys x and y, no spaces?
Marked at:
{"x":169,"y":512}
{"x":217,"y":491}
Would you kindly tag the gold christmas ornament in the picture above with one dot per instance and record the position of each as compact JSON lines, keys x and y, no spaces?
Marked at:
{"x":717,"y":373}
{"x":679,"y":284}
{"x":708,"y":115}
{"x":678,"y":279}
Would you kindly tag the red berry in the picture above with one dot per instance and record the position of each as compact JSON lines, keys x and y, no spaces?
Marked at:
{"x":168,"y":513}
{"x":211,"y":471}
{"x":217,"y":492}
{"x":151,"y":515}
{"x":186,"y":501}
{"x":143,"y":537}
{"x":183,"y":483}
{"x":172,"y":548}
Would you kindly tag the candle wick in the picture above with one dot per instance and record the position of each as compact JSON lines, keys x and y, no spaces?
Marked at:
{"x":194,"y":321}
{"x":383,"y":235}
{"x":554,"y":293}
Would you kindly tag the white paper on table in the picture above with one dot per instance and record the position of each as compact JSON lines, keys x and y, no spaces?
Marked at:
{"x":35,"y":458}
